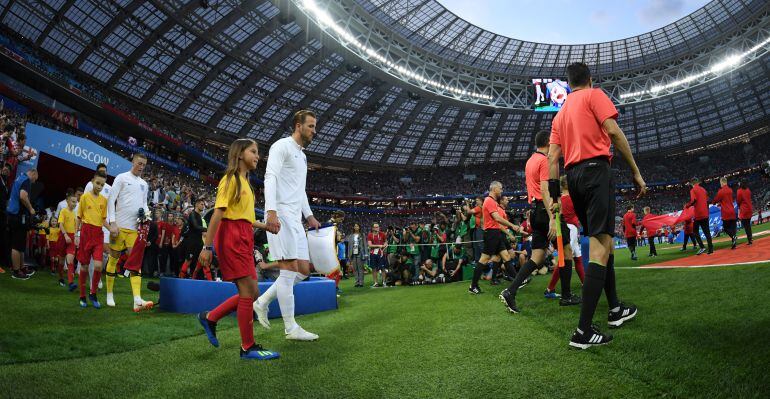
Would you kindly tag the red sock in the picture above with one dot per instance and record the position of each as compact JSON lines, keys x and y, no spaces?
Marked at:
{"x":60,"y":270}
{"x":225,"y":308}
{"x":579,"y":268}
{"x":554,"y":279}
{"x":95,"y":281}
{"x":336,"y":276}
{"x":82,"y":280}
{"x":51,"y":264}
{"x":246,"y":321}
{"x":195,"y":272}
{"x":207,"y":272}
{"x":70,"y":272}
{"x":185,"y":266}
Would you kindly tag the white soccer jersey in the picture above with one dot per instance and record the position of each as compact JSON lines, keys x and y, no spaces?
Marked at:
{"x":127,"y":195}
{"x":285,"y":179}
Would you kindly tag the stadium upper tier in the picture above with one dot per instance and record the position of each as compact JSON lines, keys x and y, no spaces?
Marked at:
{"x":399,"y":83}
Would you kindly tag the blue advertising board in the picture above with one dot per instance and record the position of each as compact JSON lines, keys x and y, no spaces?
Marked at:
{"x":77,"y":150}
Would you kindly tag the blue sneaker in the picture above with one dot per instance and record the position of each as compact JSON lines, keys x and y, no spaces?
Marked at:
{"x":257,"y":352}
{"x":73,"y":287}
{"x":551,"y":294}
{"x":94,"y":301}
{"x":210,"y":328}
{"x":83,"y":303}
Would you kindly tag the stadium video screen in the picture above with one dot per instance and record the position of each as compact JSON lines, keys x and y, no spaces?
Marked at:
{"x":550,"y":94}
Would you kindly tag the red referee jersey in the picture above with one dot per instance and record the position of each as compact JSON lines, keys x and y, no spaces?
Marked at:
{"x":490,"y":207}
{"x":536,"y":171}
{"x":577,"y":128}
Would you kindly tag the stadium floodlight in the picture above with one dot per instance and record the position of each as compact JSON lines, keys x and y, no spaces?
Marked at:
{"x":728,"y":64}
{"x":347,"y":39}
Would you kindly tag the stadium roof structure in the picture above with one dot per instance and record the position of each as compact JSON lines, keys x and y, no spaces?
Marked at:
{"x":401,"y":83}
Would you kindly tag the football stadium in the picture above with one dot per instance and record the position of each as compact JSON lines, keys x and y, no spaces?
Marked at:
{"x":384,"y":198}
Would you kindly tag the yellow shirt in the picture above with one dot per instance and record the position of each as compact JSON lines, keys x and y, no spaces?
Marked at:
{"x":241,"y":210}
{"x":67,"y":221}
{"x":92,"y":209}
{"x":53,"y":234}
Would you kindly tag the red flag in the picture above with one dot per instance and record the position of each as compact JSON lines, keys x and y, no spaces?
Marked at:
{"x":135,"y":258}
{"x":653,"y":223}
{"x":687,"y":214}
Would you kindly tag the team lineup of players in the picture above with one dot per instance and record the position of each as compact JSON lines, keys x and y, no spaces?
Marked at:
{"x":102,"y":219}
{"x":111,"y":218}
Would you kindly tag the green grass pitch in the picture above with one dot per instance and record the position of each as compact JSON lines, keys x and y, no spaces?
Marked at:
{"x":699,"y":333}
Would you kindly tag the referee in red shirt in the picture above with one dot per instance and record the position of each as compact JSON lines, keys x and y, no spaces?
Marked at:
{"x":494,"y":242}
{"x":544,"y":227}
{"x":583,"y":131}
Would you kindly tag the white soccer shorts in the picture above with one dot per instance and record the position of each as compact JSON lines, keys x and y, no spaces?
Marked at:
{"x":290,"y":242}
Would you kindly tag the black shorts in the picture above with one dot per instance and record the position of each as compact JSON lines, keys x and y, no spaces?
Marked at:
{"x":592,"y":189}
{"x":507,"y":241}
{"x":17,"y":232}
{"x":494,"y":242}
{"x":539,"y":221}
{"x":191,"y":249}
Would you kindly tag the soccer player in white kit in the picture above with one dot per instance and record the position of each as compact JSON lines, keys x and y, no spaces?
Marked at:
{"x":285,"y":205}
{"x":128,"y":194}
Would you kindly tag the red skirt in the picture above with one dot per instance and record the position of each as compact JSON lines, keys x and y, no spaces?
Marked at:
{"x":234,"y":246}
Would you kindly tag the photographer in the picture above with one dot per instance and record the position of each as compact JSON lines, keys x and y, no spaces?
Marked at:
{"x":476,"y":223}
{"x":438,"y":239}
{"x":412,"y":236}
{"x":426,"y":234}
{"x":428,"y":272}
{"x":20,"y":213}
{"x":453,"y":262}
{"x":393,"y":251}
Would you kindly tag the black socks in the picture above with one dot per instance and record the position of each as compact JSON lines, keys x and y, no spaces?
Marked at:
{"x":495,"y":270}
{"x":525,"y":271}
{"x":478,"y":271}
{"x":609,"y":284}
{"x":592,"y":290}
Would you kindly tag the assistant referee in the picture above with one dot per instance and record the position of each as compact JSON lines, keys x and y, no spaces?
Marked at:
{"x":583,"y":131}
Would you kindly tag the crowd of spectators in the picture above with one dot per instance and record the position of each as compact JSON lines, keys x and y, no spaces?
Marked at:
{"x":49,"y":66}
{"x":172,"y":195}
{"x":471,"y":180}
